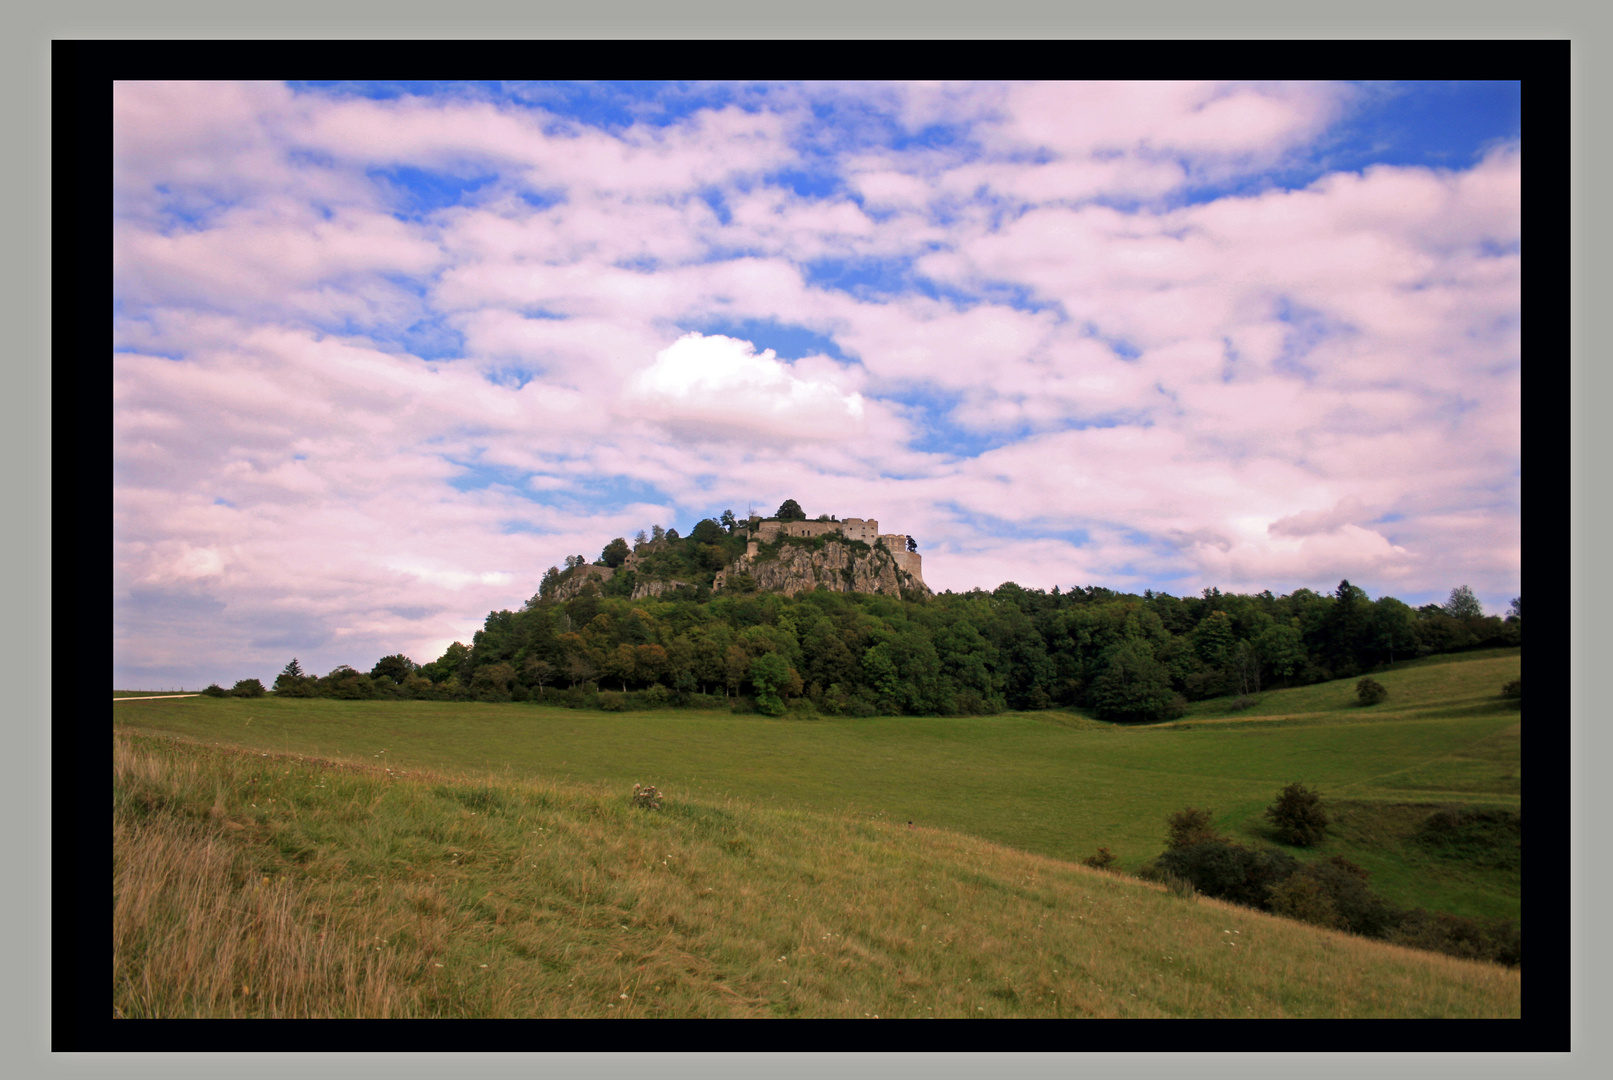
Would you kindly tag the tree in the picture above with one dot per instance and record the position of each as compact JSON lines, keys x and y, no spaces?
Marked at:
{"x":1394,"y":629}
{"x":639,"y":539}
{"x":657,"y":534}
{"x":396,"y":667}
{"x":1282,"y":649}
{"x":615,"y":553}
{"x":1189,"y":826}
{"x":913,"y":545}
{"x":621,"y":664}
{"x":1298,"y":815}
{"x":539,"y":672}
{"x":1515,"y":609}
{"x":293,"y":681}
{"x":1463,"y":604}
{"x":728,"y":521}
{"x":491,"y":682}
{"x":773,"y":678}
{"x":790,"y":510}
{"x":551,"y":579}
{"x":650,"y":663}
{"x":248,"y":688}
{"x":1133,"y":687}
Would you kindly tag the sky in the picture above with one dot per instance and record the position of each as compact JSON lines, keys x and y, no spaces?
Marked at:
{"x":384,"y":353}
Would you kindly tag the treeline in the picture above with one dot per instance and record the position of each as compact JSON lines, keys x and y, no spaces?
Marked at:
{"x":1123,"y":656}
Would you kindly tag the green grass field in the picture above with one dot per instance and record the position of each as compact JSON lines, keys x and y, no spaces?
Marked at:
{"x":251,"y":884}
{"x":1056,"y":784}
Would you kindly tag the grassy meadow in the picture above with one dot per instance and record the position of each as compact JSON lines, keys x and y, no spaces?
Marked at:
{"x":250,"y":884}
{"x":1052,"y":783}
{"x":317,"y":857}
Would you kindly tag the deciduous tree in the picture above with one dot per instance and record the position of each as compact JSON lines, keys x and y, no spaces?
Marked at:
{"x":1463,"y":604}
{"x":1298,"y":815}
{"x":615,"y":552}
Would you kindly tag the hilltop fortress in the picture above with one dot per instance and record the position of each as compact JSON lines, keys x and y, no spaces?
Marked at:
{"x":786,"y":555}
{"x":766,"y":530}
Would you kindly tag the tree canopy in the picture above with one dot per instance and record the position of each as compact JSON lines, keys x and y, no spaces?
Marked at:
{"x":1123,"y":657}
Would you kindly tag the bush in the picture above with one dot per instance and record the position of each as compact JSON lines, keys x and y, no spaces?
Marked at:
{"x":1495,"y":940}
{"x":1101,"y":860}
{"x":1228,"y":871}
{"x":612,"y":701}
{"x":215,"y":690}
{"x":1298,"y":815}
{"x":1513,"y":689}
{"x":1242,"y":702}
{"x":1370,"y":692}
{"x":1190,"y":826}
{"x":248,"y":688}
{"x":646,"y":797}
{"x":1302,"y":897}
{"x":1360,"y":910}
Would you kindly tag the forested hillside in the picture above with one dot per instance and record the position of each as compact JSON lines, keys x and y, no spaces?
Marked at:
{"x":1123,"y":656}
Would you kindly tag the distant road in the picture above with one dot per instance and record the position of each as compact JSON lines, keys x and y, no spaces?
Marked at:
{"x":153,"y":697}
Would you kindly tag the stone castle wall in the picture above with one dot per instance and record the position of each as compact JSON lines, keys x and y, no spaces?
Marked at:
{"x":864,"y":529}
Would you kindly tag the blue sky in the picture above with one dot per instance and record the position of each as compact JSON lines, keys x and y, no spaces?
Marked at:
{"x":384,"y":353}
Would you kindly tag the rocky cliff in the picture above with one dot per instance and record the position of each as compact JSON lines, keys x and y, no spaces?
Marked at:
{"x":838,"y":566}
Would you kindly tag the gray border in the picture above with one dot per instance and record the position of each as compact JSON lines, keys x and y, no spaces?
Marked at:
{"x":25,"y":433}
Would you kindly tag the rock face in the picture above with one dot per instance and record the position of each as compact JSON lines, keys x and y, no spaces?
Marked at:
{"x":834,"y":565}
{"x":654,"y":588}
{"x":578,"y":578}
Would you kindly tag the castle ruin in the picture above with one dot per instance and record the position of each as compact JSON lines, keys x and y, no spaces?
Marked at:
{"x":866,"y":530}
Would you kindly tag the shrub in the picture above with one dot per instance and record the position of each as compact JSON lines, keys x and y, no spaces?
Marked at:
{"x":1370,"y":692}
{"x":1495,"y":940}
{"x":1360,"y":910}
{"x":612,"y":701}
{"x":1242,"y":702}
{"x":215,"y":690}
{"x":1190,"y":826}
{"x":248,"y":688}
{"x":1101,"y":860}
{"x":647,"y":798}
{"x":1228,"y":871}
{"x":1302,"y":897}
{"x":1513,"y":689}
{"x":1298,"y":815}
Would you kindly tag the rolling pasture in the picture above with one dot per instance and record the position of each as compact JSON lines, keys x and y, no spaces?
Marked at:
{"x":420,"y":859}
{"x":1052,"y":783}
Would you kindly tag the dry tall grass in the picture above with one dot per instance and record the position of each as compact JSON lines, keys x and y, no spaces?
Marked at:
{"x":251,"y":885}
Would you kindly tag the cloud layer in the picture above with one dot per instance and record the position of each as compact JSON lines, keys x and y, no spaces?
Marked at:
{"x":380,"y":362}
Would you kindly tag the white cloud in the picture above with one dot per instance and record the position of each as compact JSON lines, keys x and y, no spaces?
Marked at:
{"x":721,"y":388}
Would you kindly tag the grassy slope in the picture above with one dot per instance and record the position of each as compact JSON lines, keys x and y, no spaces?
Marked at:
{"x":1056,"y":784}
{"x":251,"y":884}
